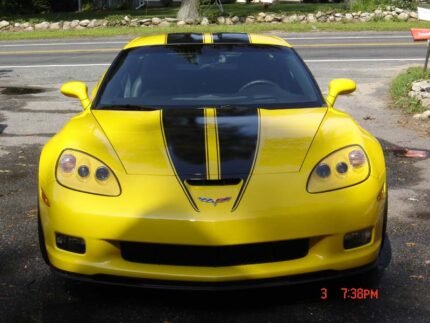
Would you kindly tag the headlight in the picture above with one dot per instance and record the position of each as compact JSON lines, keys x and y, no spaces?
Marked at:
{"x":82,"y":172}
{"x":342,"y":168}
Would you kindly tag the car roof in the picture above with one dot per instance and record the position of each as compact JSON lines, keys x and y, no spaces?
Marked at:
{"x":206,"y":38}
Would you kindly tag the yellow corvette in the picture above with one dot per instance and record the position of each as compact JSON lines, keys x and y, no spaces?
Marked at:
{"x":211,"y":161}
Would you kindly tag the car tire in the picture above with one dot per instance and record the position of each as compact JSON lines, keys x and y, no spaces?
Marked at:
{"x":42,"y":244}
{"x":372,"y":278}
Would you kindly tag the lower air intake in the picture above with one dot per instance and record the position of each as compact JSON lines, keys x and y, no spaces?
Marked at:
{"x":214,"y":256}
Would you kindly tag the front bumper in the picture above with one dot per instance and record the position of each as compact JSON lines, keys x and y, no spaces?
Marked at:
{"x":104,"y":222}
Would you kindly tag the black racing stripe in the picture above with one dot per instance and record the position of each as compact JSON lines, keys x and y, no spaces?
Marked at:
{"x":184,"y":38}
{"x":184,"y":130}
{"x":238,"y":135}
{"x":230,"y":38}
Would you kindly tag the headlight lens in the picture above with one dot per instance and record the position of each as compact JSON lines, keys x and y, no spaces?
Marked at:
{"x":345,"y":167}
{"x":79,"y":171}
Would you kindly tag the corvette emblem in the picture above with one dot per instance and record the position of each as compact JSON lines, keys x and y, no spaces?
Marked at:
{"x":214,"y":202}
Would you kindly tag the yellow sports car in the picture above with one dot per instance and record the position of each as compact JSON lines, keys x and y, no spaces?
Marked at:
{"x":211,"y":161}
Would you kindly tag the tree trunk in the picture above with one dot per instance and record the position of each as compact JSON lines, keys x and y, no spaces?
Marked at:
{"x":189,"y":10}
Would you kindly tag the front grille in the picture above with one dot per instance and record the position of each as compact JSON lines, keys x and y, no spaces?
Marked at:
{"x":214,"y":256}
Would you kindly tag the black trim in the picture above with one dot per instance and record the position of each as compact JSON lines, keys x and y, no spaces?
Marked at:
{"x":184,"y":38}
{"x":219,"y":286}
{"x":230,"y":38}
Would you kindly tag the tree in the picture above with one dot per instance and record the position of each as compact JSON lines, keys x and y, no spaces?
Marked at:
{"x":41,"y":5}
{"x":190,"y":9}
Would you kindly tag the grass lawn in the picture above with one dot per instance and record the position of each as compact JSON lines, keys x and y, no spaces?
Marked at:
{"x":234,"y":9}
{"x":292,"y":27}
{"x":401,"y":86}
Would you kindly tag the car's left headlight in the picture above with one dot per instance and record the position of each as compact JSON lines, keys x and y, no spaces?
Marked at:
{"x":82,"y":172}
{"x":345,"y":167}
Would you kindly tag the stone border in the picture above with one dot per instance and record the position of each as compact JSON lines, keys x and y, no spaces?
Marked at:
{"x":389,"y":14}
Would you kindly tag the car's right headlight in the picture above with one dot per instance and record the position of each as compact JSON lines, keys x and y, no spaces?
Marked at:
{"x":81,"y":172}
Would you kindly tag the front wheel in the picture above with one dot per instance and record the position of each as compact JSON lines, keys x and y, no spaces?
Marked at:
{"x":42,"y":244}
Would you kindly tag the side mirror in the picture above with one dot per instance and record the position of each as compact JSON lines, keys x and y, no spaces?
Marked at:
{"x":78,"y":90}
{"x":337,"y":87}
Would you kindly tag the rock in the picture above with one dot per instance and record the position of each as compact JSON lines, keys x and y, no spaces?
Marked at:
{"x":422,"y":116}
{"x":398,"y":10}
{"x":421,"y":86}
{"x":319,"y":14}
{"x":261,"y":14}
{"x":25,"y":25}
{"x":145,"y":21}
{"x":181,"y":23}
{"x":103,"y":22}
{"x":348,"y":17}
{"x":189,"y":21}
{"x":388,"y":18}
{"x":311,"y":18}
{"x":17,"y":25}
{"x":235,"y":19}
{"x":84,"y":23}
{"x":338,"y":15}
{"x":127,"y":18}
{"x":156,"y":21}
{"x":403,"y":16}
{"x":269,"y":18}
{"x":250,"y":20}
{"x":301,"y":17}
{"x":29,"y":28}
{"x":331,"y":18}
{"x":205,"y":21}
{"x":413,"y":14}
{"x":74,"y":24}
{"x":378,"y":12}
{"x":55,"y":26}
{"x":425,"y":103}
{"x":221,"y":20}
{"x":293,"y":18}
{"x":228,"y":21}
{"x":171,"y":19}
{"x":278,"y":18}
{"x":92,"y":24}
{"x":4,"y":24}
{"x":132,"y":24}
{"x":42,"y":26}
{"x":79,"y":27}
{"x":164,"y":24}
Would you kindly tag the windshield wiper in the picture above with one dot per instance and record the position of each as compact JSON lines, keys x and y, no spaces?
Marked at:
{"x":127,"y":107}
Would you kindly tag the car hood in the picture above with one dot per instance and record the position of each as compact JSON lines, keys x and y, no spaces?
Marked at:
{"x":220,"y":144}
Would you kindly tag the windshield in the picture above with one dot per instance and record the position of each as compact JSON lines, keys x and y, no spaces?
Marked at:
{"x":208,"y":75}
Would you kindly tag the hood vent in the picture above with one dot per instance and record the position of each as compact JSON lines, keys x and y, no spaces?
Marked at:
{"x":213,"y":182}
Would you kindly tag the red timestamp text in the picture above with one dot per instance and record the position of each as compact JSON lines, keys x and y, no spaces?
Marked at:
{"x":352,"y":293}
